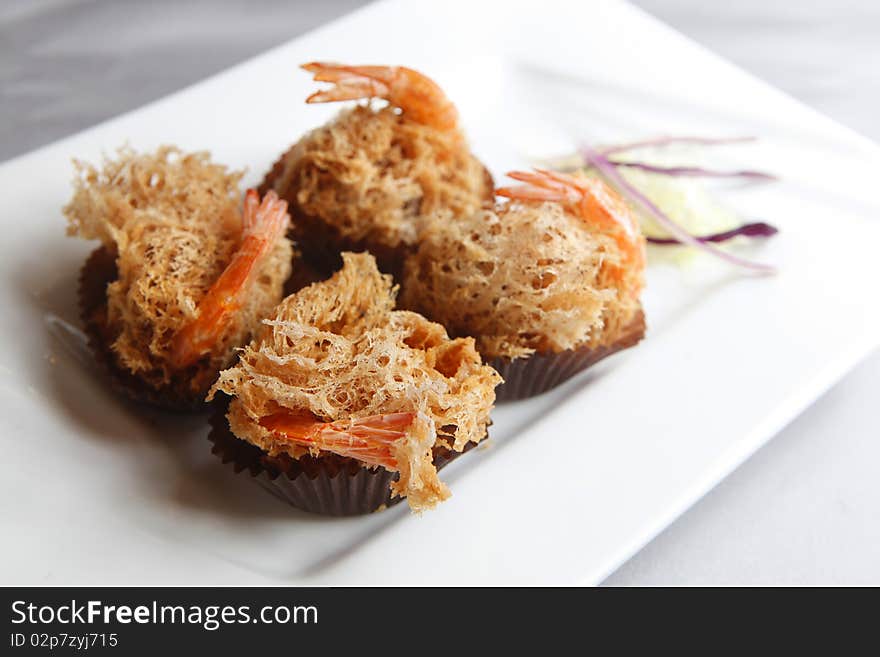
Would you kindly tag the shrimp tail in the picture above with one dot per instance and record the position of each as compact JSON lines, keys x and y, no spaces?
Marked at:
{"x":415,"y":94}
{"x":369,"y":439}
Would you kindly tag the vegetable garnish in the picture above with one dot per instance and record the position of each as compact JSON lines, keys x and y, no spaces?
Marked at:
{"x":600,"y":161}
{"x":694,"y":171}
{"x":671,"y":141}
{"x":682,"y":171}
{"x":757,"y":229}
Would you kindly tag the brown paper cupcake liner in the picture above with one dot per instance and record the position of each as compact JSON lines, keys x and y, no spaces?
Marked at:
{"x":329,"y":485}
{"x":540,"y":372}
{"x":303,"y":274}
{"x":322,"y":247}
{"x":98,"y":272}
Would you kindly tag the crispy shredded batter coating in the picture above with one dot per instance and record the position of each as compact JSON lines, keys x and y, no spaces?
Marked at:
{"x":372,"y":175}
{"x":338,"y":350}
{"x":174,"y":221}
{"x":525,"y":277}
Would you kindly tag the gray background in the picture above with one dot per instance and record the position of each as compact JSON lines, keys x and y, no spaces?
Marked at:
{"x":803,"y":510}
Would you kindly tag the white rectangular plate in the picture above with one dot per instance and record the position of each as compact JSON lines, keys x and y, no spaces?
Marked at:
{"x":97,"y":490}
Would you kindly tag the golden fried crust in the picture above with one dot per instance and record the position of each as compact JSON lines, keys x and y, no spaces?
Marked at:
{"x":338,"y":350}
{"x":366,"y":180}
{"x":184,"y":392}
{"x":522,"y":278}
{"x":172,"y":220}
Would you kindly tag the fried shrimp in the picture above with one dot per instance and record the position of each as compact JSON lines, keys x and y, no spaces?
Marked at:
{"x":182,"y":277}
{"x":368,"y":179}
{"x":263,"y":224}
{"x":594,"y":202}
{"x":558,"y":267}
{"x":337,"y":371}
{"x":368,"y":439}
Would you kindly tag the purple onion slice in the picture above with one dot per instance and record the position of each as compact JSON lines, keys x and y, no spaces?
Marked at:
{"x":670,"y":141}
{"x":757,"y":229}
{"x":609,"y":170}
{"x":694,"y":172}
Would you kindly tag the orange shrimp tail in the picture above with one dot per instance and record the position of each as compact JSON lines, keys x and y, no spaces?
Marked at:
{"x":418,"y":96}
{"x":588,"y":198}
{"x":370,"y":439}
{"x":263,"y":224}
